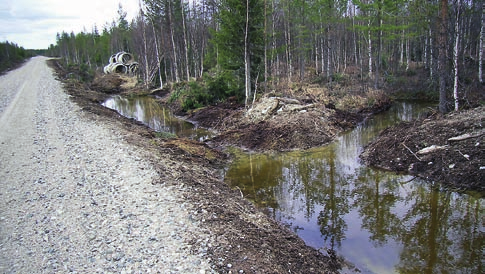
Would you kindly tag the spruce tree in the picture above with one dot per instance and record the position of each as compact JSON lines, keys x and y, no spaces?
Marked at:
{"x":240,"y":30}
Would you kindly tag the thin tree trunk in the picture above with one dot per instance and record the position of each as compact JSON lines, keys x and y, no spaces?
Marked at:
{"x":431,"y":55}
{"x":288,"y":46}
{"x":247,"y":65}
{"x":145,"y":54}
{"x":401,"y":58}
{"x":301,"y":54}
{"x":158,"y":56}
{"x":329,"y":57}
{"x":185,"y":41}
{"x":426,"y":48}
{"x":322,"y":43}
{"x":379,"y":50}
{"x":265,"y":49}
{"x":455,"y":54}
{"x":370,"y":51}
{"x":408,"y":54}
{"x":175,"y":59}
{"x":354,"y":35}
{"x":316,"y":54}
{"x":481,"y":46}
{"x":442,"y":68}
{"x":273,"y":51}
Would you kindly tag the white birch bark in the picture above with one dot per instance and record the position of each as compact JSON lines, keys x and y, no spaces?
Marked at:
{"x":431,"y":56}
{"x":426,"y":52}
{"x":185,"y":41}
{"x":370,"y":51}
{"x":481,"y":47}
{"x":157,"y":53}
{"x":401,"y":58}
{"x":408,"y":54}
{"x":455,"y":55}
{"x":175,"y":59}
{"x":145,"y":48}
{"x":247,"y":65}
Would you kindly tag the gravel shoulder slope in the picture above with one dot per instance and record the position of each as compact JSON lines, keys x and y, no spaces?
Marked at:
{"x":75,"y":197}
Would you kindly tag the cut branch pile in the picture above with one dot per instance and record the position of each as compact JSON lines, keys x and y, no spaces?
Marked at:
{"x":275,"y":105}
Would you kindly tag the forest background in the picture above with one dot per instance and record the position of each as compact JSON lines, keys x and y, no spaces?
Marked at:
{"x":209,"y":50}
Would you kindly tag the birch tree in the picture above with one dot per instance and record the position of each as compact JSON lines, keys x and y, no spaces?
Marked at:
{"x":481,"y":46}
{"x":442,"y":52}
{"x":455,"y":53}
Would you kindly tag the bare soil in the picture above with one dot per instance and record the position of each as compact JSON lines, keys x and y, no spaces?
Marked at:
{"x":246,"y":239}
{"x":443,"y":148}
{"x":279,"y":124}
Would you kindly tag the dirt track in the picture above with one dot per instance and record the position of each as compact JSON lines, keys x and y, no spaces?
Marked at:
{"x":75,"y":197}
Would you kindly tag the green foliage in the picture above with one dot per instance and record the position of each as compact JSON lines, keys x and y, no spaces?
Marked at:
{"x":197,"y":94}
{"x":11,"y":55}
{"x":229,"y":39}
{"x":300,"y":38}
{"x":165,"y":135}
{"x":411,"y":72}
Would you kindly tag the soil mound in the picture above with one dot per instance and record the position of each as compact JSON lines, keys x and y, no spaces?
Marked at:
{"x":275,"y":123}
{"x":448,"y":149}
{"x":113,"y":83}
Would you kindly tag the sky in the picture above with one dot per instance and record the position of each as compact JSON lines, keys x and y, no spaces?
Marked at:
{"x":34,"y":24}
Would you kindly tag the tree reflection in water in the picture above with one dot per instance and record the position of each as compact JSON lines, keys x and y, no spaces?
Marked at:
{"x":428,"y":230}
{"x":330,"y":219}
{"x":381,"y":222}
{"x":442,"y":232}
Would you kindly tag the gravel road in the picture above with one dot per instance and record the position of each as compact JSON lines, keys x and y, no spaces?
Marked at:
{"x":75,"y":197}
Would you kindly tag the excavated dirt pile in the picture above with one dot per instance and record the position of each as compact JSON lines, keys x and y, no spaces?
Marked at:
{"x":275,"y":123}
{"x":447,"y":148}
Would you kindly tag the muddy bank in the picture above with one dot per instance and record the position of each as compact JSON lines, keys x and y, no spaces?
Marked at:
{"x":444,"y":148}
{"x":243,"y":238}
{"x":280,"y":123}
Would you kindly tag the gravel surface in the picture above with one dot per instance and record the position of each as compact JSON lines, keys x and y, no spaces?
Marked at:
{"x":74,"y":197}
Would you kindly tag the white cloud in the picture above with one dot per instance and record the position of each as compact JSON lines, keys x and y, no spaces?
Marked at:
{"x":35,"y":23}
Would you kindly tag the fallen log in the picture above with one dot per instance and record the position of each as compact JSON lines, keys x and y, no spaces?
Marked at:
{"x":299,"y":107}
{"x":287,"y":100}
{"x":430,"y":149}
{"x":466,"y":136}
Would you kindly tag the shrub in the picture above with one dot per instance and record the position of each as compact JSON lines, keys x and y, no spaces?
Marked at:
{"x":197,"y":94}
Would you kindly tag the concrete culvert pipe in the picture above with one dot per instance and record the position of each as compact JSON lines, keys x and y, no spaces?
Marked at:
{"x":119,"y":68}
{"x":112,"y":59}
{"x":115,"y":68}
{"x":106,"y":69}
{"x":123,"y":57}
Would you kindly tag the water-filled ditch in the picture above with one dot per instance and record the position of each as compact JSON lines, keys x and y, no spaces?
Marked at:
{"x":147,"y":110}
{"x":377,"y":220}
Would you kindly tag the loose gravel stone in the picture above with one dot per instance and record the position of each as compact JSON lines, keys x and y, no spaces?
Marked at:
{"x":74,"y":197}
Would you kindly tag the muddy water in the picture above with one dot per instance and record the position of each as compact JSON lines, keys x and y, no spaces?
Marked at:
{"x":379,"y":221}
{"x":148,"y":111}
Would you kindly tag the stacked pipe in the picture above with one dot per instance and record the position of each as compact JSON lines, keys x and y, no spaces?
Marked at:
{"x":121,"y":62}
